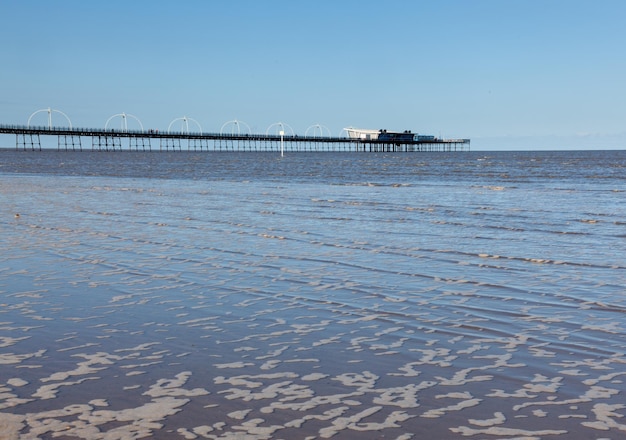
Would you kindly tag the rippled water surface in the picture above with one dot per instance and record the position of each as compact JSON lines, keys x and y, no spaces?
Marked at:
{"x":227,"y":296}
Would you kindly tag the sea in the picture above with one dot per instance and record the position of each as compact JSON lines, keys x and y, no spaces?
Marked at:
{"x":224,"y":295}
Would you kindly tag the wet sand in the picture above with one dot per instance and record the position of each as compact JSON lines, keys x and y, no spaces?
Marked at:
{"x":138,"y":308}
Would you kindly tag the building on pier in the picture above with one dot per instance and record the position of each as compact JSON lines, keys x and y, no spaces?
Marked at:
{"x":362,"y":134}
{"x":387,"y":136}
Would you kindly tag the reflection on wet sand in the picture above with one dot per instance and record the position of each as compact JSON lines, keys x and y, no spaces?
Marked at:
{"x":156,"y":312}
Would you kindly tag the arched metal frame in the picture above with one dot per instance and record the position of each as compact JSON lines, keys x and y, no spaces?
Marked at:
{"x":322,"y":129}
{"x":124,"y":122}
{"x":50,"y":111}
{"x":235,"y":123}
{"x":280,"y":126}
{"x":185,"y":122}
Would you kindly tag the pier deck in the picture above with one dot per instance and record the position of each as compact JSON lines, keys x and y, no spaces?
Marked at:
{"x":29,"y":138}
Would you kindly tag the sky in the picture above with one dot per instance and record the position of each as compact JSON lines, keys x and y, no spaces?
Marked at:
{"x":508,"y":74}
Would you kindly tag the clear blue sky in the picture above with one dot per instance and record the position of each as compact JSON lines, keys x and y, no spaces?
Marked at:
{"x":508,"y":74}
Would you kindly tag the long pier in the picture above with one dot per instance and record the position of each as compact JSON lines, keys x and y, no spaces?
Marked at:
{"x":72,"y":139}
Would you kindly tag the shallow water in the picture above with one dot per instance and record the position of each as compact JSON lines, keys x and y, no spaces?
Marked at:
{"x":217,"y":295}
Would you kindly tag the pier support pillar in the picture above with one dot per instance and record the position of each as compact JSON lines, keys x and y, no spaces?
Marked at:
{"x":27,"y":141}
{"x":139,"y":143}
{"x":197,"y":144}
{"x":106,"y":143}
{"x":167,"y":143}
{"x":67,"y":141}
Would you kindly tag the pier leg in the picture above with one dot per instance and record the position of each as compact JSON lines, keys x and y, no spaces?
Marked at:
{"x":65,"y":141}
{"x":27,"y":139}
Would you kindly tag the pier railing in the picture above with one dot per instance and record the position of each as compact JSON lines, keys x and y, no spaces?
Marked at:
{"x":29,"y":138}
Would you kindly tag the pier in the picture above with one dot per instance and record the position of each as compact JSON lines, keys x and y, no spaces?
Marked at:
{"x":79,"y":139}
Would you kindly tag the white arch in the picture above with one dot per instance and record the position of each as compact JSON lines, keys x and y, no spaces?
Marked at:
{"x":280,"y":126}
{"x":124,"y":121}
{"x":235,"y":123}
{"x":50,"y":111}
{"x":185,"y":124}
{"x":322,"y":129}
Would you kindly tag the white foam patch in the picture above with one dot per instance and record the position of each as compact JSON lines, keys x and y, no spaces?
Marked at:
{"x":403,"y":397}
{"x":101,"y":359}
{"x":99,"y":402}
{"x":10,"y":426}
{"x":7,"y":341}
{"x":172,"y":387}
{"x":239,"y":415}
{"x":508,"y":432}
{"x":467,"y":401}
{"x":45,"y":392}
{"x":12,"y":358}
{"x":606,"y":417}
{"x":86,"y":421}
{"x":230,"y":365}
{"x":314,"y":376}
{"x":356,"y":422}
{"x":9,"y":399}
{"x":498,"y":419}
{"x":17,"y":382}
